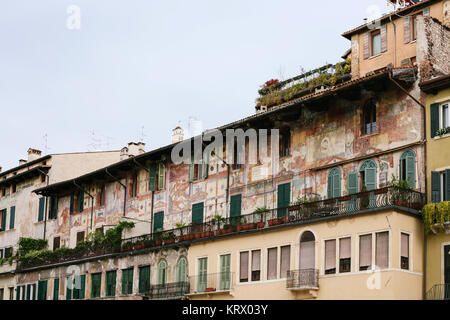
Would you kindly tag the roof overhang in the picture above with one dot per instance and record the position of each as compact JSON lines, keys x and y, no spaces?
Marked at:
{"x":436,"y":84}
{"x":25,"y":175}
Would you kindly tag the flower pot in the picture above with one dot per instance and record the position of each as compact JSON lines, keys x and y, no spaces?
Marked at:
{"x":210,"y":289}
{"x":261,"y":225}
{"x":198,"y":235}
{"x":294,"y":208}
{"x":169,"y":241}
{"x":251,"y":226}
{"x":157,"y":243}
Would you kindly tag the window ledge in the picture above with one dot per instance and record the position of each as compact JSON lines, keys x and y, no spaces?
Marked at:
{"x":442,"y":137}
{"x":368,"y":135}
{"x":375,"y":56}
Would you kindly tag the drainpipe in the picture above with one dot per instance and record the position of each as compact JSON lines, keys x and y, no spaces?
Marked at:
{"x":46,"y":203}
{"x":125,"y":190}
{"x":153,"y":193}
{"x":395,"y":41}
{"x":92,"y":199}
{"x":424,"y":262}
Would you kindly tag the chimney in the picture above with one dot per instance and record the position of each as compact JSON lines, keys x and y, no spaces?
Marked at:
{"x":33,"y":154}
{"x":177,"y":134}
{"x":21,"y":162}
{"x":133,"y":149}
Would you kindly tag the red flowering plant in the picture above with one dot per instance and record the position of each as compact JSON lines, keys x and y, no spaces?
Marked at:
{"x":266,"y":87}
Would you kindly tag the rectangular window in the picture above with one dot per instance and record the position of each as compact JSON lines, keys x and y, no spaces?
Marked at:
{"x":243,"y":274}
{"x":256,"y":265}
{"x":285,"y":264}
{"x":3,"y":215}
{"x":96,"y":285}
{"x":345,"y":255}
{"x":56,"y":289}
{"x":53,"y":211}
{"x":445,"y":116}
{"x":101,"y":196}
{"x":42,"y":290}
{"x":127,"y":281}
{"x":405,"y":251}
{"x":12,"y":217}
{"x":144,"y":279}
{"x":8,"y":252}
{"x":330,"y":257}
{"x":285,"y":142}
{"x":110,"y":283}
{"x":376,"y":42}
{"x":41,"y":209}
{"x":80,"y":236}
{"x":133,"y":189}
{"x":272,"y":258}
{"x":382,"y":250}
{"x":365,"y":252}
{"x":56,"y":243}
{"x":11,"y":293}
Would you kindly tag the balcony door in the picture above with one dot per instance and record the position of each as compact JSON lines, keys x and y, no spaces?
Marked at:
{"x":307,"y":251}
{"x":202,"y":279}
{"x":283,"y":199}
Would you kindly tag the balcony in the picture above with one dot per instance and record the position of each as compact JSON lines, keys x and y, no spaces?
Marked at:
{"x":439,"y":292}
{"x":306,"y":279}
{"x":168,"y":291}
{"x":211,"y":283}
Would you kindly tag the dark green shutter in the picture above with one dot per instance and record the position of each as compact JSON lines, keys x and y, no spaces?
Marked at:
{"x":371,"y":178}
{"x":447,"y":185}
{"x":69,"y":288}
{"x":434,"y":113}
{"x":56,"y":289}
{"x":83,"y":286}
{"x":337,"y":184}
{"x":124,"y":281}
{"x":411,"y":171}
{"x":42,"y":290}
{"x":144,"y":279}
{"x":3,"y":226}
{"x":158,"y":221}
{"x":127,"y":281}
{"x":152,"y":177}
{"x":197,"y":213}
{"x":71,"y":203}
{"x":12,"y":217}
{"x":18,"y":293}
{"x":284,"y":199}
{"x":34,"y":292}
{"x":41,"y":209}
{"x":111,"y":283}
{"x":435,"y":187}
{"x":235,"y":205}
{"x":80,"y":204}
{"x":96,"y":281}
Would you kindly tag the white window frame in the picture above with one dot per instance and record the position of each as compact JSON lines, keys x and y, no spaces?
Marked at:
{"x":441,"y":119}
{"x":374,"y":243}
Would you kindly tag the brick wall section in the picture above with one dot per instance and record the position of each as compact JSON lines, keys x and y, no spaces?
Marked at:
{"x":433,"y":48}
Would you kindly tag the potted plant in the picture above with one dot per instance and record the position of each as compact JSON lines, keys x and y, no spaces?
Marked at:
{"x":399,"y":191}
{"x":168,"y":238}
{"x":261,"y":212}
{"x":364,"y":197}
{"x":157,"y":237}
{"x":210,"y":289}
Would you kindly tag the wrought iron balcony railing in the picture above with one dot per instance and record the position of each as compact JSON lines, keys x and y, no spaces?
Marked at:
{"x":168,"y":291}
{"x":302,"y":279}
{"x":208,"y":283}
{"x":439,"y":292}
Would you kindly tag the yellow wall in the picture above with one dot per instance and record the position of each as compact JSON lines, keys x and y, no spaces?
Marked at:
{"x":435,"y":251}
{"x":394,"y":282}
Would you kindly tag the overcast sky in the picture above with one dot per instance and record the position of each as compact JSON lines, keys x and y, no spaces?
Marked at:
{"x":151,"y":64}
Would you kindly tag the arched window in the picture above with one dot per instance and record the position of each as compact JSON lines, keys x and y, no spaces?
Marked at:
{"x":368,"y":173}
{"x":307,"y":251}
{"x":369,"y":117}
{"x":285,"y":142}
{"x":162,"y":267}
{"x":408,"y":168}
{"x":181,"y":270}
{"x":334,"y":183}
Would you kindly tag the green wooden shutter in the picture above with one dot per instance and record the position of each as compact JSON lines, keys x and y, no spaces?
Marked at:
{"x":144,"y":279}
{"x":202,"y":274}
{"x":111,"y":283}
{"x":12,"y":217}
{"x":337,"y":184}
{"x":161,"y":176}
{"x":96,"y":285}
{"x":41,"y":209}
{"x":205,"y":167}
{"x":434,"y":113}
{"x":162,"y":268}
{"x":352,"y":183}
{"x":152,"y":177}
{"x":435,"y":187}
{"x":284,"y":199}
{"x":371,"y":178}
{"x":127,"y":281}
{"x":69,"y":288}
{"x":18,"y":293}
{"x":191,"y":170}
{"x":411,"y":171}
{"x":80,"y":206}
{"x":42,"y":290}
{"x":158,"y":221}
{"x":235,"y":205}
{"x":56,"y":289}
{"x":83,"y":286}
{"x":197,"y":213}
{"x":3,"y":226}
{"x":447,"y":185}
{"x":71,"y":202}
{"x":225,"y":272}
{"x":124,"y":281}
{"x":181,"y":274}
{"x":330,"y":186}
